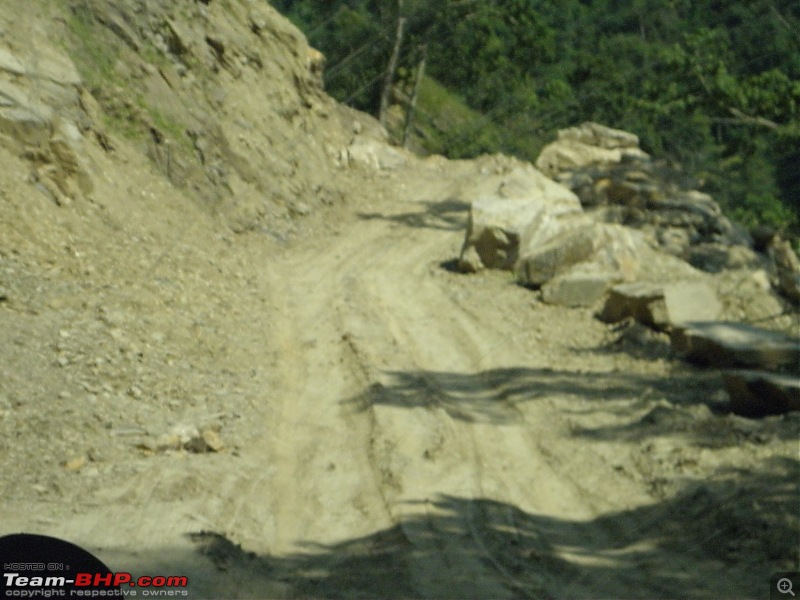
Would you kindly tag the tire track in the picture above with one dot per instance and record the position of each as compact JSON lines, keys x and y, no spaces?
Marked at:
{"x":469,"y":353}
{"x":369,"y":412}
{"x":449,"y":564}
{"x":323,"y":447}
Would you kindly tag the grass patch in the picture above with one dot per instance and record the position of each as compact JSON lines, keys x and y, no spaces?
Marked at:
{"x":443,"y":105}
{"x":171,"y":129}
{"x":96,"y":53}
{"x":94,"y":56}
{"x":444,"y":124}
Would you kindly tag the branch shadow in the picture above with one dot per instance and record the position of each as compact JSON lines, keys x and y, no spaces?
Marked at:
{"x":689,"y":403}
{"x":445,"y":215}
{"x":488,"y":396}
{"x":719,"y":538}
{"x":635,"y":340}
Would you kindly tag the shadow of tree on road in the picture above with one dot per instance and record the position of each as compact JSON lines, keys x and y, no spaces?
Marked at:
{"x":687,"y":403}
{"x":719,"y":538}
{"x":493,"y":395}
{"x":447,"y":215}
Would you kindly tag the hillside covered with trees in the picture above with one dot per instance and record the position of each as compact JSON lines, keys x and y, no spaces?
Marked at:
{"x":714,"y":87}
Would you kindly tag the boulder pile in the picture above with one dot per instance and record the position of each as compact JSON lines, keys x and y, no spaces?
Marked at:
{"x":614,"y":177}
{"x":617,"y":182}
{"x":599,"y":224}
{"x":522,"y":221}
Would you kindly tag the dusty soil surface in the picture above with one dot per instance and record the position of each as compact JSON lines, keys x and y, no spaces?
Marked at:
{"x":390,"y":428}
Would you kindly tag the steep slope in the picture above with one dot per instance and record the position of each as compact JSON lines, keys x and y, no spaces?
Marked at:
{"x":252,"y":368}
{"x":223,"y":98}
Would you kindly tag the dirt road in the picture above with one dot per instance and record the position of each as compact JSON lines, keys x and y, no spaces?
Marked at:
{"x":392,"y":428}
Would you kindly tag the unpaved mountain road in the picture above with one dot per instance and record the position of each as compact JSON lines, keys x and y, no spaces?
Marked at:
{"x":393,"y":429}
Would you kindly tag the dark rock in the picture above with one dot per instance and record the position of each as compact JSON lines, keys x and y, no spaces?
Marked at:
{"x":714,"y":258}
{"x":726,"y":345}
{"x":758,"y":394}
{"x":763,"y":236}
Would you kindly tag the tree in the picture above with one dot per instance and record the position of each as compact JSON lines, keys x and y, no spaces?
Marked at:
{"x":714,"y":86}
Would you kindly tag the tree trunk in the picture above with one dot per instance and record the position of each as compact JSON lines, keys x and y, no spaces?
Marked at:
{"x":412,"y":106}
{"x":389,"y":81}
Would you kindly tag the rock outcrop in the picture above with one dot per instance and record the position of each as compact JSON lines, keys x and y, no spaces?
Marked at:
{"x":771,"y":386}
{"x":42,"y":118}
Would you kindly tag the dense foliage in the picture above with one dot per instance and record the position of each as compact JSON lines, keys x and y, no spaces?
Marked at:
{"x":712,"y":85}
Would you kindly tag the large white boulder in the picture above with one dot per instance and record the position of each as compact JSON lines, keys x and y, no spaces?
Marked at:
{"x":596,"y":250}
{"x":508,"y":207}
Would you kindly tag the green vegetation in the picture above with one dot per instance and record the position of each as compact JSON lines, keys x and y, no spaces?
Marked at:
{"x":713,"y":86}
{"x":94,"y":57}
{"x":447,"y":125}
{"x":96,"y":53}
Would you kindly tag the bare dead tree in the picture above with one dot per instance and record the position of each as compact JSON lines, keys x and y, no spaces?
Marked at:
{"x":412,"y":105}
{"x":393,"y":60}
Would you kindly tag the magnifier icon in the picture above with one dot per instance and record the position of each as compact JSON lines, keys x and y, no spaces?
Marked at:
{"x":785,"y":586}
